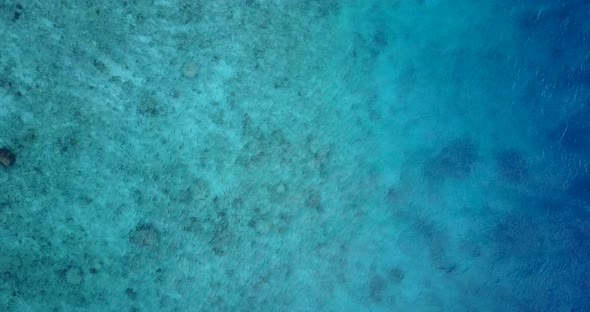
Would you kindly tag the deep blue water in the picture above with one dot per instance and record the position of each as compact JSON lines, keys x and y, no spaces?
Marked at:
{"x":402,"y":155}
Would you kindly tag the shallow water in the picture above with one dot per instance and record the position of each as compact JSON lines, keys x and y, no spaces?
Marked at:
{"x":295,"y":156}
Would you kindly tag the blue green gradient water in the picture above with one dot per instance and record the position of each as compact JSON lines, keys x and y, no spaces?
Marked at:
{"x":295,"y":156}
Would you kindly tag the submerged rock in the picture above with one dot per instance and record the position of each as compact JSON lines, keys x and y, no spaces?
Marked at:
{"x":7,"y":157}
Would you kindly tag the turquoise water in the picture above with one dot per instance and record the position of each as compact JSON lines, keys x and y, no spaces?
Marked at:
{"x":409,"y":155}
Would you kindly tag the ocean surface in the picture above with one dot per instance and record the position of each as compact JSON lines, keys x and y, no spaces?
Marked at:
{"x":283,"y":155}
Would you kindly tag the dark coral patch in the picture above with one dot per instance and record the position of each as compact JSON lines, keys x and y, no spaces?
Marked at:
{"x":455,"y":160}
{"x":396,"y":275}
{"x":7,"y":157}
{"x":145,"y":235}
{"x":376,"y":287}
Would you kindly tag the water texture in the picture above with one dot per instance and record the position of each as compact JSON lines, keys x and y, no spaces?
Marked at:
{"x":258,"y":155}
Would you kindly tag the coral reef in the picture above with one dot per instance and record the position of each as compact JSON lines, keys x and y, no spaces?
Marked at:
{"x":376,"y":288}
{"x":7,"y":157}
{"x":145,"y":235}
{"x":396,"y":275}
{"x":73,"y":275}
{"x":455,"y":160}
